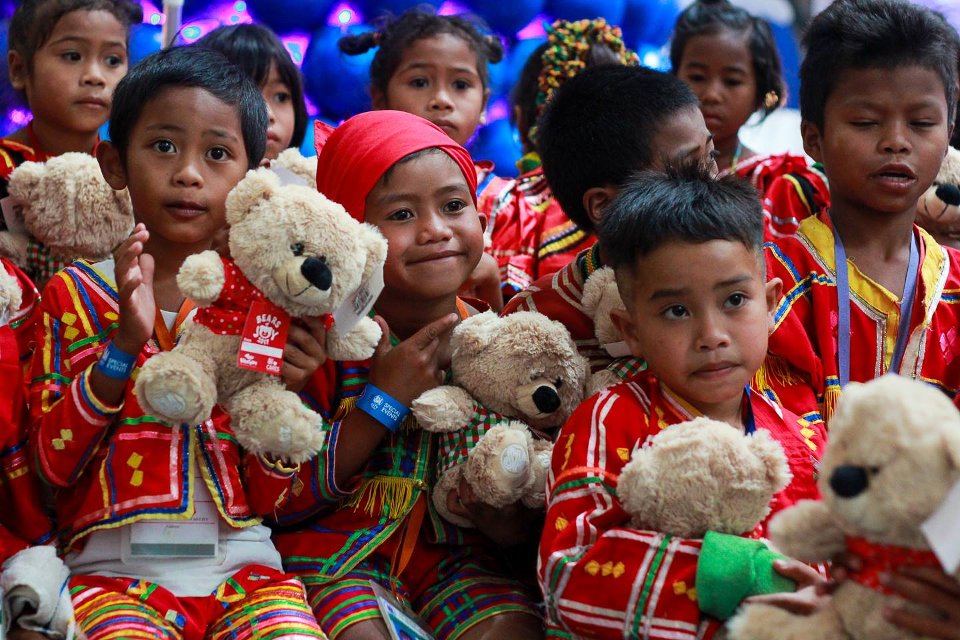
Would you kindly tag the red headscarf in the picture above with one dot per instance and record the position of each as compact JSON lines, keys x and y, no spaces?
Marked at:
{"x":356,"y":155}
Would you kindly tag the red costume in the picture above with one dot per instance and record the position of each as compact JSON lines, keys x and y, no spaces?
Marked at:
{"x":791,"y":189}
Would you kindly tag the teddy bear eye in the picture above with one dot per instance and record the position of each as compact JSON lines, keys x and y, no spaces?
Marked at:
{"x":297,"y":248}
{"x":558,"y":383}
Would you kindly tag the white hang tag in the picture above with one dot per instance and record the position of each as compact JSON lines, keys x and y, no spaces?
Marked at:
{"x":617,"y":349}
{"x":13,"y":215}
{"x":941,"y":529}
{"x":358,"y":305}
{"x":287,"y":176}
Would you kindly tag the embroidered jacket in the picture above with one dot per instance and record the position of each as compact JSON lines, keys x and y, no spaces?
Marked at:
{"x":113,"y":465}
{"x":559,"y":297}
{"x":805,"y":333}
{"x":530,"y":235}
{"x":602,"y":579}
{"x":791,"y":189}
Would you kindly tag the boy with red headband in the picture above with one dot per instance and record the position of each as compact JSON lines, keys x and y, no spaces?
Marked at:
{"x":364,"y":499}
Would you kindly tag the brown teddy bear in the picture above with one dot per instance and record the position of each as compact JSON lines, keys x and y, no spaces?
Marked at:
{"x":600,"y":297}
{"x":515,"y":381}
{"x":893,"y":456}
{"x":67,"y":206}
{"x":938,"y":210}
{"x":294,"y":253}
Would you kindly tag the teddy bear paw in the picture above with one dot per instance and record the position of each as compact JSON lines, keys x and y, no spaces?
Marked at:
{"x":358,"y":344}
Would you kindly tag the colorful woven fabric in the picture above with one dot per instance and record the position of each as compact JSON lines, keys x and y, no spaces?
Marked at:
{"x":804,"y":338}
{"x":603,"y":579}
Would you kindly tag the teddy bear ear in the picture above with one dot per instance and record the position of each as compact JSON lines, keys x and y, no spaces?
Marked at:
{"x":476,"y":332}
{"x":25,"y":180}
{"x":376,"y":246}
{"x":258,"y":184}
{"x":595,"y":289}
{"x":771,"y":453}
{"x":292,"y":160}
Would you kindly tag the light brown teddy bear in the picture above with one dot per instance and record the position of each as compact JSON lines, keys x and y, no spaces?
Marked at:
{"x":893,"y":456}
{"x":600,"y":297}
{"x":294,"y":253}
{"x":11,"y":295}
{"x":515,"y":380}
{"x":67,"y":205}
{"x":938,"y":210}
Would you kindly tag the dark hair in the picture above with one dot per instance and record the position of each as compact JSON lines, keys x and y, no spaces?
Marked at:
{"x":255,"y":49}
{"x":874,"y":34}
{"x":599,"y":126}
{"x":394,"y":35}
{"x":685,"y":203}
{"x":189,"y":66}
{"x":34,"y":20}
{"x":709,"y":17}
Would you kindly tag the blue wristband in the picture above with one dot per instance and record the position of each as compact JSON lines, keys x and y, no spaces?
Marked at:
{"x":116,"y":363}
{"x":382,"y":407}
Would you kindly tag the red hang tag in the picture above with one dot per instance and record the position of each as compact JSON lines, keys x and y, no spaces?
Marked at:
{"x":263,"y":338}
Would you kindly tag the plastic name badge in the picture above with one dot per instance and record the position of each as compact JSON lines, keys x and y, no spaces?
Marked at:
{"x":402,"y":623}
{"x":263,"y":338}
{"x":358,"y":305}
{"x":197,"y":537}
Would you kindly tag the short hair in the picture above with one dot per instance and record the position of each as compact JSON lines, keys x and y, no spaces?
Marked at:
{"x":684,"y":203}
{"x":189,"y":66}
{"x":254,"y":49}
{"x":599,"y":127}
{"x":34,"y":20}
{"x":872,"y":34}
{"x":709,"y":17}
{"x":394,"y":35}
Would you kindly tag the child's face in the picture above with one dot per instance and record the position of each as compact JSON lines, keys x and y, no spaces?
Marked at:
{"x":437,"y":79}
{"x":280,"y":110}
{"x":682,"y":137}
{"x":885,"y":134}
{"x":700,"y":315}
{"x":719,"y":69}
{"x":73,"y":74}
{"x":434,"y":234}
{"x":179,"y":169}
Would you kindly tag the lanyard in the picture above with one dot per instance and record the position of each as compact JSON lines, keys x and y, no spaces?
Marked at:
{"x":749,"y":423}
{"x":843,"y":308}
{"x":165,"y":340}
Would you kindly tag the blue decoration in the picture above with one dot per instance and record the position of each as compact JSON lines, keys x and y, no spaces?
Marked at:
{"x":144,"y":40}
{"x":610,"y":10}
{"x":498,"y":142}
{"x":290,"y":15}
{"x":338,"y":84}
{"x":649,"y":21}
{"x":504,"y":76}
{"x":376,"y":8}
{"x":790,"y":60}
{"x":508,"y":17}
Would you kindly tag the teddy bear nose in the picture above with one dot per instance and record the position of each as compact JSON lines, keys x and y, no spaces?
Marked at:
{"x":949,"y":193}
{"x":547,"y":399}
{"x":317,"y":273}
{"x":849,"y":481}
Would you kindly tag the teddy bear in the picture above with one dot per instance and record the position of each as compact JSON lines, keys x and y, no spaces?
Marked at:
{"x":938,"y":210}
{"x":514,"y":381}
{"x":600,"y":297}
{"x":894,"y":455}
{"x":299,"y":165}
{"x":11,"y":295}
{"x":66,"y":205}
{"x":294,"y":253}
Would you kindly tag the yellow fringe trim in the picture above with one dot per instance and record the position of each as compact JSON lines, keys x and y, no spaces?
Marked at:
{"x":830,"y":398}
{"x":392,"y":496}
{"x":774,"y":370}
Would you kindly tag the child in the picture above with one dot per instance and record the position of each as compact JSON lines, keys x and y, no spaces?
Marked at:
{"x":160,"y":523}
{"x":530,"y":235}
{"x":687,"y":254}
{"x":877,"y":97}
{"x":262,"y":56}
{"x":730,"y":60}
{"x":599,"y":128}
{"x":66,"y":57}
{"x":362,"y":504}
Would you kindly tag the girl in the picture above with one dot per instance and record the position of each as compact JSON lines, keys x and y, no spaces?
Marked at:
{"x":262,"y":56}
{"x":362,"y":504}
{"x":160,"y":523}
{"x":66,"y":57}
{"x":436,"y":67}
{"x":730,"y":60}
{"x":530,"y":235}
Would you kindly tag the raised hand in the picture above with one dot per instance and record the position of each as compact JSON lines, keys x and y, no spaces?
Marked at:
{"x":133,"y":272}
{"x":304,"y":352}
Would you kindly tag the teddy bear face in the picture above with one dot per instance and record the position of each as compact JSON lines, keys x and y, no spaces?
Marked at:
{"x":524,"y":366}
{"x":894,"y":453}
{"x":295,"y":245}
{"x":701,"y":476}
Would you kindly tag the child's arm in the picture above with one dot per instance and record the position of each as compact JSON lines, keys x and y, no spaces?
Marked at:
{"x":72,"y":403}
{"x":937,"y":591}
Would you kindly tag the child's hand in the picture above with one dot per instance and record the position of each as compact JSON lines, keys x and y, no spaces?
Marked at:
{"x":807,"y":599}
{"x":415,"y":365}
{"x":484,"y":283}
{"x":937,"y":591}
{"x":304,"y":353}
{"x":133,"y":272}
{"x":510,"y":525}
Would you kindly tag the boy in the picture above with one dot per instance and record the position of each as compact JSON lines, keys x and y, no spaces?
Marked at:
{"x":116,"y":472}
{"x":686,"y":250}
{"x":598,"y":128}
{"x":877,"y":98}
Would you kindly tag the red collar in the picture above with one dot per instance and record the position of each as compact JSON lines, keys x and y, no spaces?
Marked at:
{"x":884,"y":558}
